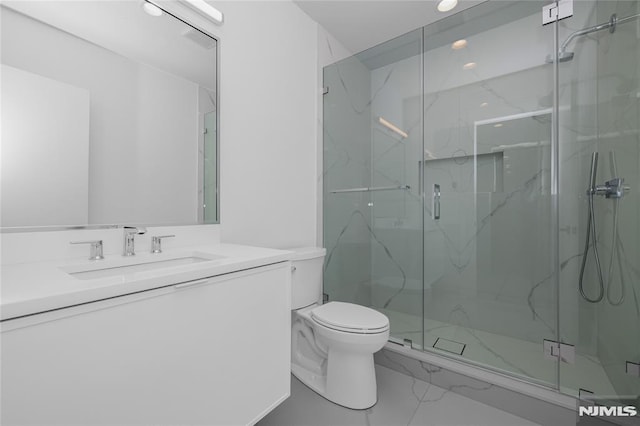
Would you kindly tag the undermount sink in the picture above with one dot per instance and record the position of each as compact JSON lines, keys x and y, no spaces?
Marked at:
{"x":129,"y":266}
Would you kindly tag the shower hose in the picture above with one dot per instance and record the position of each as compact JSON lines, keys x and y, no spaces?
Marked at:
{"x":615,"y":245}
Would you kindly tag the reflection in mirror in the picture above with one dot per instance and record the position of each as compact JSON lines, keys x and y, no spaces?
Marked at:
{"x":109,"y":116}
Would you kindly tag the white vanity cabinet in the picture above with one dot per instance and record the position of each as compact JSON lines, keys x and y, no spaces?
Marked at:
{"x":208,"y":352}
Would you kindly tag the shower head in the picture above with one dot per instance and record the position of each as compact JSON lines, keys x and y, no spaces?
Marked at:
{"x":563,"y":56}
{"x":614,"y":21}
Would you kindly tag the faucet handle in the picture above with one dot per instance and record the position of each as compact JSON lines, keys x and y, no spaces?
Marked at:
{"x":140,"y":230}
{"x":96,"y":249}
{"x":156,"y":243}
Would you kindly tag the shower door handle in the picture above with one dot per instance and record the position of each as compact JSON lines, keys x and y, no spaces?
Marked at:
{"x":435,"y":205}
{"x":421,"y":179}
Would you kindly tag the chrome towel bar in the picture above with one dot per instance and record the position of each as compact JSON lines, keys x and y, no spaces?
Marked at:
{"x":376,"y":188}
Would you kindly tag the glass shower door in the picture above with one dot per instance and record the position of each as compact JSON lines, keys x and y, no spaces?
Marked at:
{"x":599,"y":114}
{"x":372,"y":204}
{"x":440,"y":201}
{"x":490,"y":284}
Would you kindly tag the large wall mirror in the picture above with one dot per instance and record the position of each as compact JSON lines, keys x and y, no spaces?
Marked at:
{"x":109,"y":116}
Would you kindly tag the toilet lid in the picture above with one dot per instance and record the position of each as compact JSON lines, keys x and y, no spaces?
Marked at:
{"x":350,"y":318}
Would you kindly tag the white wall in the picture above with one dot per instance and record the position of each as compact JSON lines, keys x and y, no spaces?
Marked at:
{"x":268,"y":124}
{"x":37,"y":109}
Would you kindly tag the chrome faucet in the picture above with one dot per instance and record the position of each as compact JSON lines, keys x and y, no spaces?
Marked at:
{"x":156,"y":243}
{"x":96,"y":249}
{"x":129,"y":239}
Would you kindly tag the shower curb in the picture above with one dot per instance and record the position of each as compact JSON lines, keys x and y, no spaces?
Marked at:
{"x":530,"y":401}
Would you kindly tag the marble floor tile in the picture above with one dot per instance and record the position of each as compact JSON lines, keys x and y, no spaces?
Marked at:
{"x":508,"y":354}
{"x":402,"y":400}
{"x":306,"y":408}
{"x":444,"y":408}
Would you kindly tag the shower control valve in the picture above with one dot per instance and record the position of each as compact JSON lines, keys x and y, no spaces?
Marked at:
{"x":613,"y":188}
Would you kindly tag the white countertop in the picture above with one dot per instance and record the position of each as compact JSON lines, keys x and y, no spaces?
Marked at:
{"x":29,"y":288}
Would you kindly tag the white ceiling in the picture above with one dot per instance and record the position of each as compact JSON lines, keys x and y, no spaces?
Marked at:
{"x":361,"y":24}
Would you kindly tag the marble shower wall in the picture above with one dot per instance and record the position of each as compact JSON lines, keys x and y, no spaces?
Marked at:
{"x":601,"y":89}
{"x":478,"y":123}
{"x":347,"y":164}
{"x":577,"y":141}
{"x":373,"y":238}
{"x":482,"y":267}
{"x":397,"y":214}
{"x":492,"y":240}
{"x":619,"y":129}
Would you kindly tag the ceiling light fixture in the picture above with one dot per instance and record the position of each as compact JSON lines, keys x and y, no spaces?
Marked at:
{"x":469,"y":65}
{"x":205,"y":9}
{"x":392,"y":127}
{"x":151,"y":9}
{"x":484,"y":104}
{"x":459,"y":44}
{"x":447,"y":5}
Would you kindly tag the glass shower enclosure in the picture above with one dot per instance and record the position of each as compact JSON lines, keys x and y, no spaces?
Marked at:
{"x":462,"y":200}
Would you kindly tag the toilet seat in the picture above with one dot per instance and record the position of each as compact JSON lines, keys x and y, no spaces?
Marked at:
{"x":350,"y":318}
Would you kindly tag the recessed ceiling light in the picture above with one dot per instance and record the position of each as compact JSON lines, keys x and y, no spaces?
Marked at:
{"x":447,"y":5}
{"x":459,"y":44}
{"x":498,"y":125}
{"x":151,"y":9}
{"x":484,"y":104}
{"x":469,"y":65}
{"x":206,"y":9}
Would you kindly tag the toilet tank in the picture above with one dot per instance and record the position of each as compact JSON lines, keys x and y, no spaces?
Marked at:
{"x":306,"y":276}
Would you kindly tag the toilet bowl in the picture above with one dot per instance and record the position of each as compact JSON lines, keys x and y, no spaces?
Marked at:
{"x":332,"y":344}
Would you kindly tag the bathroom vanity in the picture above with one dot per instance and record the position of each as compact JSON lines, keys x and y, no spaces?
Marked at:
{"x":197,"y":335}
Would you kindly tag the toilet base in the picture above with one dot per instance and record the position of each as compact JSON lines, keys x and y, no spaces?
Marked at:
{"x":336,"y":364}
{"x":351,"y":382}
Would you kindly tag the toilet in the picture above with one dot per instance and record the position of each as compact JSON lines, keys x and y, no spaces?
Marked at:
{"x":332,"y":344}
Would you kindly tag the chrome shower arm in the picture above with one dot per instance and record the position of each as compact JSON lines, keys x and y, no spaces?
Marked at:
{"x":586,"y":31}
{"x":613,"y":22}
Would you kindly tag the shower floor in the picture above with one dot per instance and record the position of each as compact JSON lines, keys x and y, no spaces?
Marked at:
{"x":503,"y":353}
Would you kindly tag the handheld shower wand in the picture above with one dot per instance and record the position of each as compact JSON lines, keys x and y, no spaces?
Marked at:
{"x":591,"y":223}
{"x":612,"y":189}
